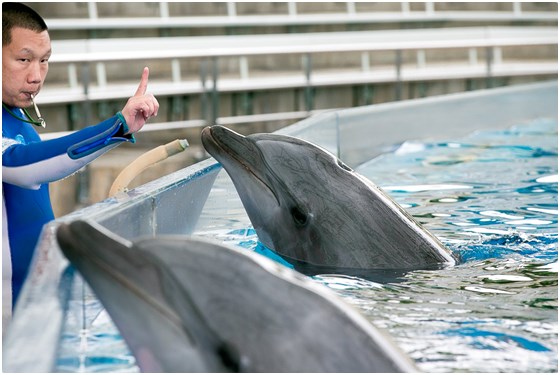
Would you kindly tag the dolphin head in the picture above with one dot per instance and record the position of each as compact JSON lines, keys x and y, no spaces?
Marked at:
{"x":281,"y":181}
{"x":306,"y":204}
{"x":136,"y":289}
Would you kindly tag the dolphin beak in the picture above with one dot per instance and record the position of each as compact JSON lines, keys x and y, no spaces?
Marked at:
{"x":220,"y":141}
{"x":233,"y":151}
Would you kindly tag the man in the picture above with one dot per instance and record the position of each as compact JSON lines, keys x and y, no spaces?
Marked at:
{"x":29,"y":164}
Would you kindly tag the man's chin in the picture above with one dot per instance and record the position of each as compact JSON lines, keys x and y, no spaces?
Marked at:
{"x":19,"y":103}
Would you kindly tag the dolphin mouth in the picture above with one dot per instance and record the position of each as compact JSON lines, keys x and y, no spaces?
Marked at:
{"x":218,"y":141}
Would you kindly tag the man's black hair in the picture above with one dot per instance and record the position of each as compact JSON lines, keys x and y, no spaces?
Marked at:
{"x":19,"y":15}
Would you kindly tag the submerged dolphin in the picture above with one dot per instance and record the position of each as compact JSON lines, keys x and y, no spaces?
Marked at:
{"x":308,"y":206}
{"x":190,"y":305}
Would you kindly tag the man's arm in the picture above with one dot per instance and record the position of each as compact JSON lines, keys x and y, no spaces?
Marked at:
{"x":31,"y":165}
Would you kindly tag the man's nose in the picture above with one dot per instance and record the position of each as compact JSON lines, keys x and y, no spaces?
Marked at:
{"x":34,"y":73}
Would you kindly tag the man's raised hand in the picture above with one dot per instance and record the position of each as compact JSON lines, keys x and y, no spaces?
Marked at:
{"x":140,"y":107}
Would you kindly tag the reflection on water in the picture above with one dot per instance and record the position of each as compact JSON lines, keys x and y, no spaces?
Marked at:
{"x":491,"y":197}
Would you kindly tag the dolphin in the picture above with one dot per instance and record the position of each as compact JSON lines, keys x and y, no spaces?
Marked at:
{"x":311,"y":208}
{"x":186,"y":304}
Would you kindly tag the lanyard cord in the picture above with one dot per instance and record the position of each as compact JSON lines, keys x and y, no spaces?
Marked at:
{"x":30,"y":121}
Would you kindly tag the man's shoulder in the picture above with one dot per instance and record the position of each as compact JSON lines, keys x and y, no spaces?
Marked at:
{"x":15,"y":129}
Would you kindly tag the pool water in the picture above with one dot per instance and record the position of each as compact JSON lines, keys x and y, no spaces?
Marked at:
{"x":491,"y":197}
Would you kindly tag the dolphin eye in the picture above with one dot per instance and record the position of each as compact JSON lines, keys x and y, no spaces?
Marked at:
{"x":344,"y":166}
{"x":300,"y":218}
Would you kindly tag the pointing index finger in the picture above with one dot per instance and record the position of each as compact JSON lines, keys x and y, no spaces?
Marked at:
{"x":143,"y":82}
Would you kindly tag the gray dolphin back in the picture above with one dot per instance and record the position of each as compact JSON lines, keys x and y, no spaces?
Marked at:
{"x":189,"y":304}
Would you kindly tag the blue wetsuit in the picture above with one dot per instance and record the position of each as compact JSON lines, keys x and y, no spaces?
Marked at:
{"x":28,"y":165}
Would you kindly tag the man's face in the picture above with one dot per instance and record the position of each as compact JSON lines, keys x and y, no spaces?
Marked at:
{"x":25,"y":62}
